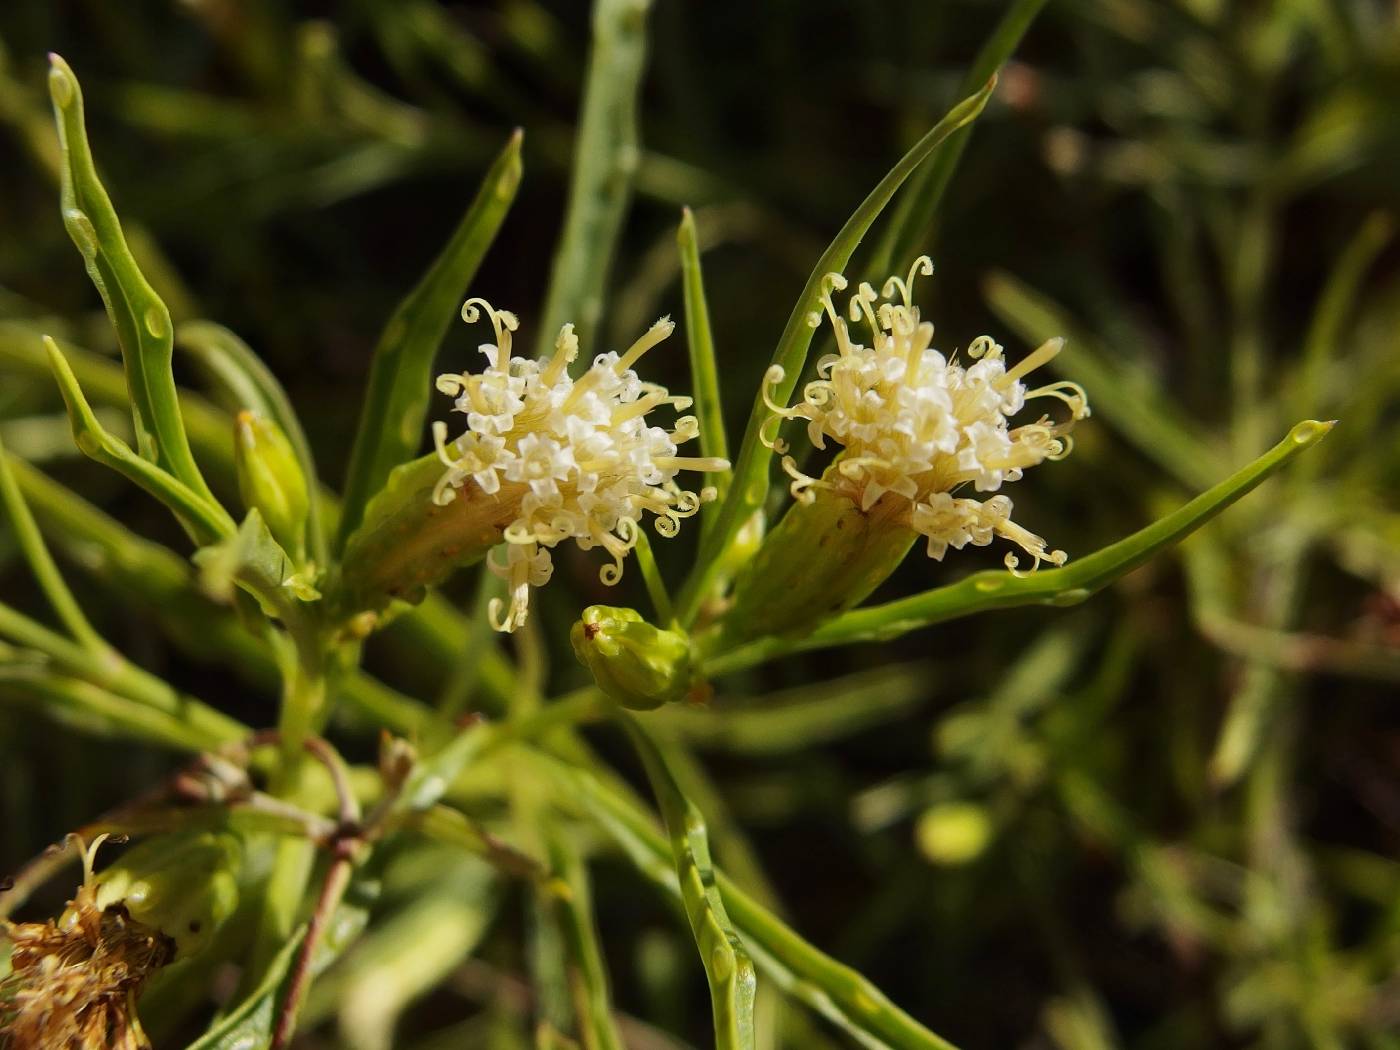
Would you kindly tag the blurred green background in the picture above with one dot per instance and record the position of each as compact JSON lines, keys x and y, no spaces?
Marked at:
{"x":1169,"y":818}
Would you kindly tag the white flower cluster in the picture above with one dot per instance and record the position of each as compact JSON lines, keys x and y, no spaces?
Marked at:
{"x":577,"y":456}
{"x":920,"y":427}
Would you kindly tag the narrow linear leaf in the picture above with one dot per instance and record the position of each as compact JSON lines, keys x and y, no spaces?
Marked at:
{"x":249,"y":1026}
{"x":574,"y":905}
{"x":110,"y":672}
{"x":805,"y":716}
{"x":140,"y":317}
{"x":920,"y":198}
{"x":606,"y":156}
{"x":405,"y":955}
{"x":704,"y":369}
{"x":22,"y":350}
{"x":834,"y":990}
{"x":203,"y":518}
{"x":232,"y":364}
{"x":1061,"y":587}
{"x":97,"y":710}
{"x":727,"y":965}
{"x":252,"y":560}
{"x":400,"y":378}
{"x":750,"y":477}
{"x":36,"y":552}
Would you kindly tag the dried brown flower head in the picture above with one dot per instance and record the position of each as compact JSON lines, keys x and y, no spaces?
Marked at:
{"x":75,"y":981}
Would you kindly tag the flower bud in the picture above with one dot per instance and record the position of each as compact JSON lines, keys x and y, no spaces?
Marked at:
{"x":824,"y":556}
{"x":638,"y":665}
{"x":271,"y":480}
{"x":184,"y":885}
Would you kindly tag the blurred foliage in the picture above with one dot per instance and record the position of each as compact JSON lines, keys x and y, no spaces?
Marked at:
{"x":1169,"y":818}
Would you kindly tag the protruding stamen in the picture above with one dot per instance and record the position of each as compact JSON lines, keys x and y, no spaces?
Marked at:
{"x":503,"y":321}
{"x":1037,"y":357}
{"x":565,"y":350}
{"x":653,"y":335}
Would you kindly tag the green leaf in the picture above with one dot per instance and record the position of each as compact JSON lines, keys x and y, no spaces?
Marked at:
{"x":804,"y":717}
{"x":41,"y":562}
{"x":109,"y":672}
{"x":202,"y":516}
{"x":727,"y":965}
{"x":250,"y":1025}
{"x":253,"y":560}
{"x":23,"y":351}
{"x":94,"y":709}
{"x":919,"y":200}
{"x":400,"y":378}
{"x":231,"y":363}
{"x":1001,"y":590}
{"x":140,"y":317}
{"x":1338,"y":299}
{"x":606,"y":155}
{"x":837,"y":992}
{"x":750,"y":477}
{"x":704,"y":370}
{"x":410,"y":951}
{"x":574,"y":906}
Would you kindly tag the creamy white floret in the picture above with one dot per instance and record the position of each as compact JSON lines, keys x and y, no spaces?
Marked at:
{"x":580,"y":452}
{"x":924,"y":427}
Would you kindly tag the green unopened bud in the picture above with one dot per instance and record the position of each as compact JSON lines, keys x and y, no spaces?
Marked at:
{"x":638,"y":665}
{"x":825,"y":556}
{"x":408,"y":541}
{"x":183,"y":884}
{"x":271,"y":480}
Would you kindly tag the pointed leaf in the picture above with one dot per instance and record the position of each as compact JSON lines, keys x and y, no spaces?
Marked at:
{"x":750,"y":477}
{"x":1001,"y":589}
{"x":202,"y":517}
{"x":727,"y":964}
{"x":400,"y":379}
{"x":138,"y":314}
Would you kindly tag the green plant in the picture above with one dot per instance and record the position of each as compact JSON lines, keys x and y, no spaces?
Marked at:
{"x":296,"y":582}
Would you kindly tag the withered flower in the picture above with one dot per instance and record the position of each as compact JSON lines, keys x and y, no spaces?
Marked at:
{"x":74,"y":981}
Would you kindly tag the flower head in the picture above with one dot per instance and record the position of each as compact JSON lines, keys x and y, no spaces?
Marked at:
{"x":922,"y":429}
{"x":74,"y":982}
{"x":578,"y":455}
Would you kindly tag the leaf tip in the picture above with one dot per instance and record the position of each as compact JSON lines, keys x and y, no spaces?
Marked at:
{"x":1311,"y":431}
{"x":63,"y":85}
{"x":52,"y":352}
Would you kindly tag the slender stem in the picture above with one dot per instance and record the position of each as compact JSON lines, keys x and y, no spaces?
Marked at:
{"x":332,"y":891}
{"x":651,"y":576}
{"x":36,"y":552}
{"x":323,"y":752}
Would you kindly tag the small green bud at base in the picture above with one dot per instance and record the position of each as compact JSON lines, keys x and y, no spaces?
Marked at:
{"x":638,"y":665}
{"x":270,"y":480}
{"x":183,"y":884}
